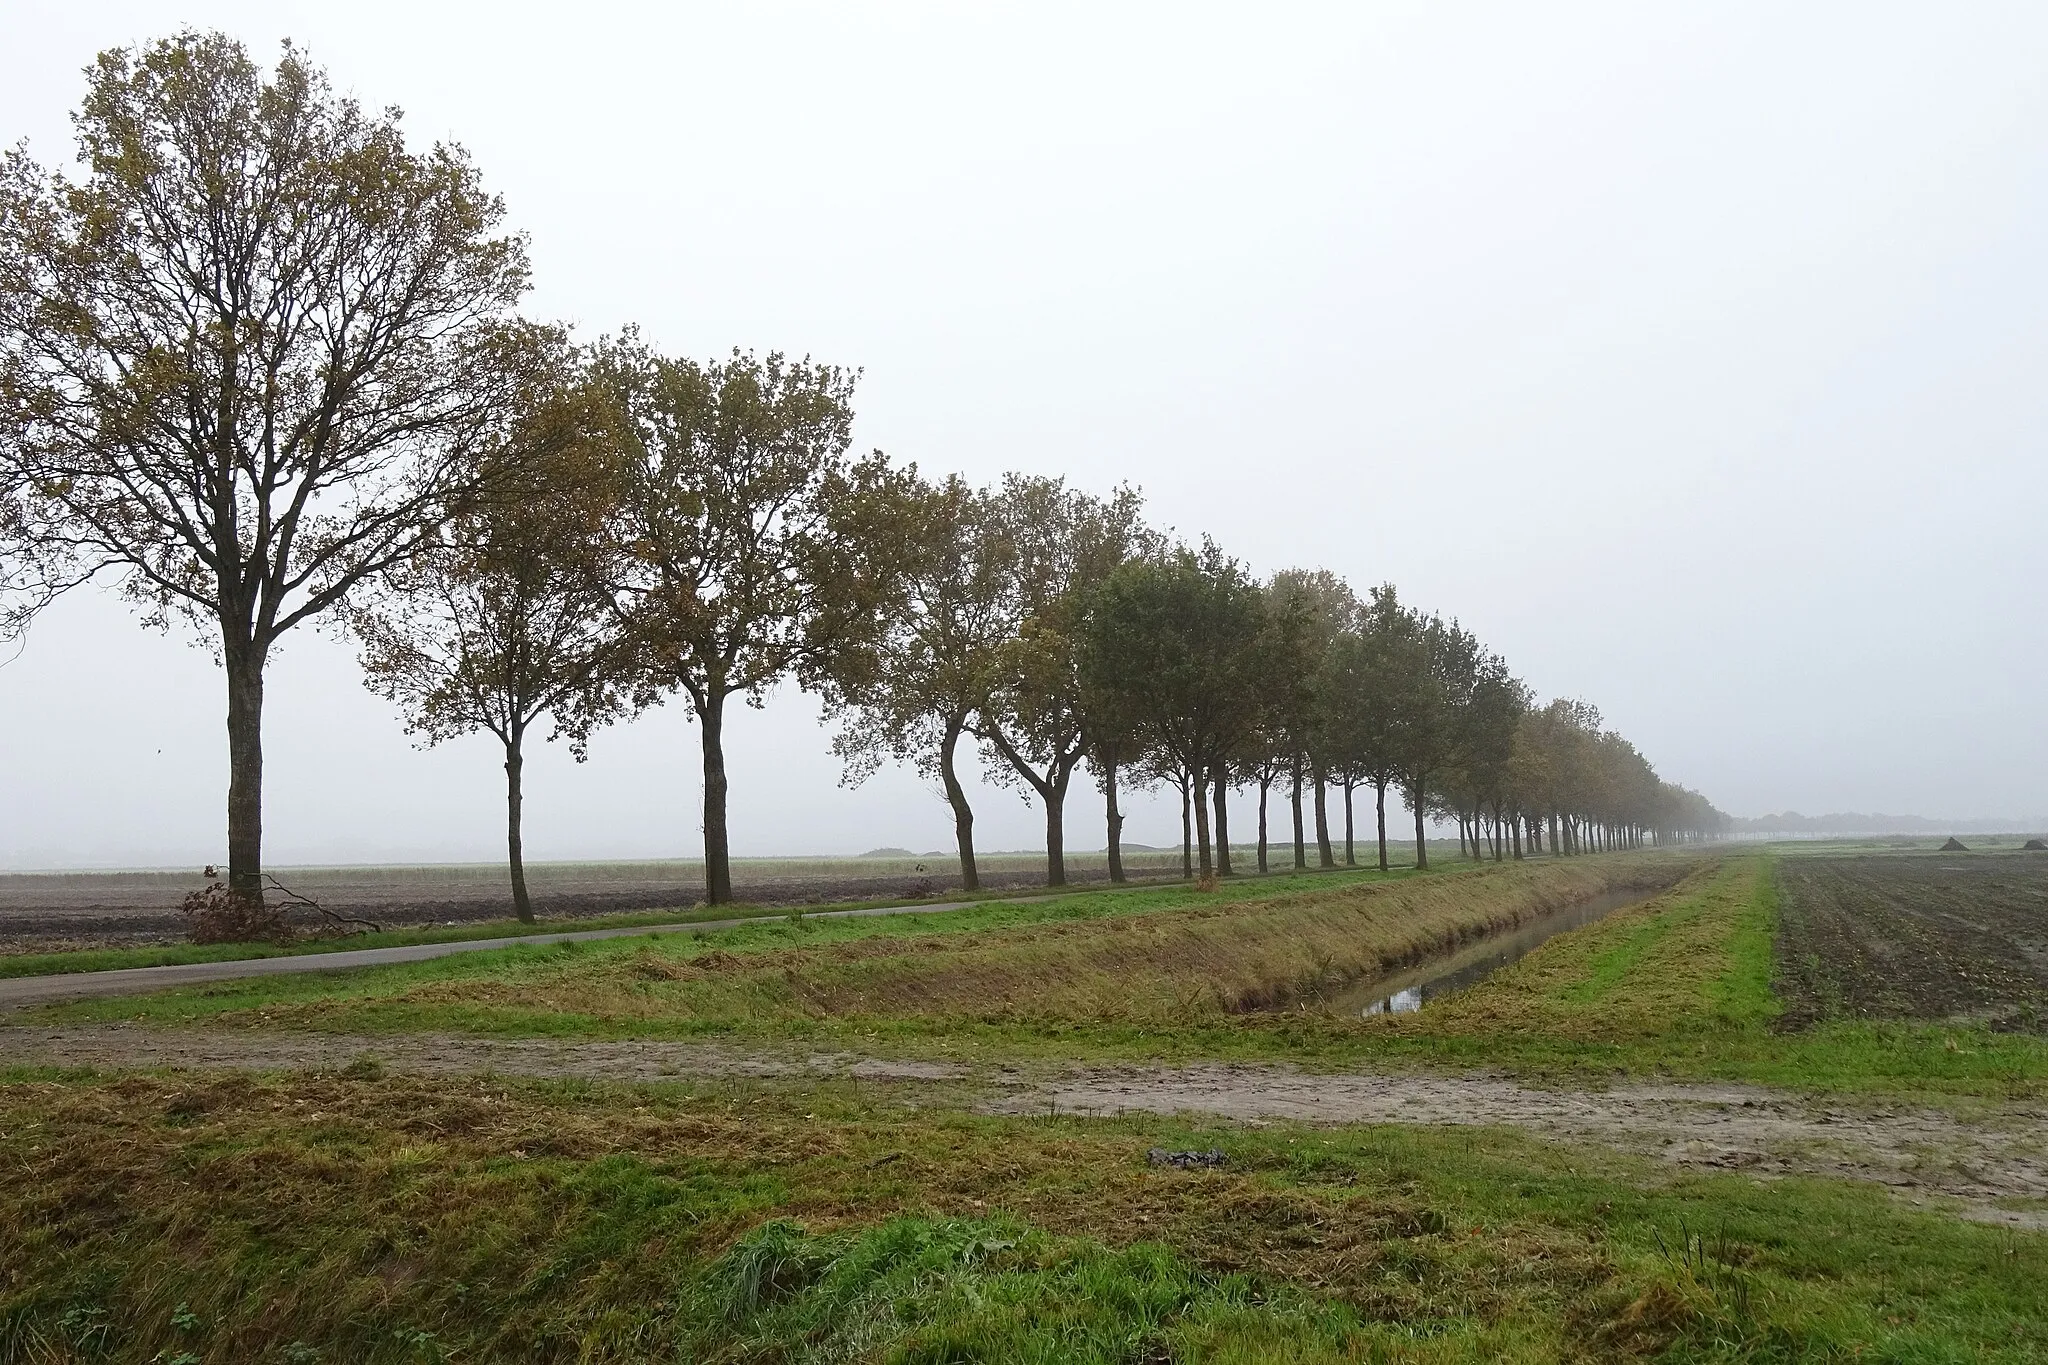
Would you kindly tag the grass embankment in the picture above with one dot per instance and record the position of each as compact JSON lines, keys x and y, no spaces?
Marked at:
{"x":338,"y":1218}
{"x":1143,"y":962}
{"x":1678,"y":986}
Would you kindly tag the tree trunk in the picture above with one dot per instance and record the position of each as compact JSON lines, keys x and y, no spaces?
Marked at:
{"x":1379,"y":790}
{"x":1187,"y":833}
{"x":1201,"y":803}
{"x":245,"y":767}
{"x":1052,"y":790}
{"x":1556,"y":848}
{"x":956,"y":797}
{"x":1265,"y":784}
{"x":1515,"y":832}
{"x":1115,"y":821}
{"x":1461,"y":835}
{"x":1323,"y":857}
{"x":515,"y":848}
{"x":717,"y":844}
{"x":1300,"y":844}
{"x":1055,"y":797}
{"x":1421,"y":846}
{"x":1349,"y":859}
{"x":1222,"y":793}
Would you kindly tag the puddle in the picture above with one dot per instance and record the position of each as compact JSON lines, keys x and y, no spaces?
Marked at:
{"x":1410,"y":989}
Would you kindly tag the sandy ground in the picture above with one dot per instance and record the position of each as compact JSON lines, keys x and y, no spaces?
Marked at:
{"x":1993,"y":1162}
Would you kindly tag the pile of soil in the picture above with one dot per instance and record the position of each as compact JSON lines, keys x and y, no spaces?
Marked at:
{"x":1954,"y":845}
{"x":2034,"y":846}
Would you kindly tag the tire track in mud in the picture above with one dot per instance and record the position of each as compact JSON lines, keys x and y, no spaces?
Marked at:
{"x":1994,"y":1155}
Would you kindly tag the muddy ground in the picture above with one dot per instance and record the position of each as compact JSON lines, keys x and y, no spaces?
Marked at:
{"x":49,"y":912}
{"x":1993,"y":1160}
{"x":1920,"y":936}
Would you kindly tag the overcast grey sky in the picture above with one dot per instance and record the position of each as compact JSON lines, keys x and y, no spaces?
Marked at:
{"x":1691,"y":355}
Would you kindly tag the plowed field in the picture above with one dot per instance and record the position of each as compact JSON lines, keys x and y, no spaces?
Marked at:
{"x":1916,"y":936}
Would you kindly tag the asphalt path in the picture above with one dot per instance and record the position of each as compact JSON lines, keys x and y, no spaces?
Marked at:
{"x":19,"y":991}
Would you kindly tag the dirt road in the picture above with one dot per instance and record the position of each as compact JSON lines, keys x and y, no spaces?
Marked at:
{"x":1996,"y":1156}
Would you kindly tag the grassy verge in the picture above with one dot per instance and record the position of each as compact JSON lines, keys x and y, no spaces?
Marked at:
{"x":1678,"y":986}
{"x":338,"y":1218}
{"x":1158,"y":959}
{"x":179,"y":954}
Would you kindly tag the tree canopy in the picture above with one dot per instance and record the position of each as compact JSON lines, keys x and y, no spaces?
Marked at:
{"x":246,"y":361}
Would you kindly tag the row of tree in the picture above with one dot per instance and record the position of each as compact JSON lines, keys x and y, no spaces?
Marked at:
{"x":262,"y":365}
{"x":1058,"y":630}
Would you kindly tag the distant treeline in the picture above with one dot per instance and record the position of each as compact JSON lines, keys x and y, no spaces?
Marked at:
{"x":262,"y":366}
{"x":1849,"y":822}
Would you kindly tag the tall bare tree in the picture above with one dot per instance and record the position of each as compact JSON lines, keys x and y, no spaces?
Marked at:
{"x":753,"y":547}
{"x":507,"y":617}
{"x":244,"y":361}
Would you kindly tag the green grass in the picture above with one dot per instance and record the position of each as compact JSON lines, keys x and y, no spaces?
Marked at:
{"x":1165,"y":955}
{"x":389,"y":1220}
{"x":1682,"y":987}
{"x":178,"y":954}
{"x":1679,"y":987}
{"x":360,"y":1217}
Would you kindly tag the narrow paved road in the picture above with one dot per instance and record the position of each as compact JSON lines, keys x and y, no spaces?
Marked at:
{"x":18,"y":991}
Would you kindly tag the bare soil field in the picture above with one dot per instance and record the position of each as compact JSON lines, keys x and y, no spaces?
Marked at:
{"x":47,"y":912}
{"x":1921,"y":936}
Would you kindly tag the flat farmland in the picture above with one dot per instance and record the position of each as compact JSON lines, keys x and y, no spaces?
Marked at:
{"x":1946,"y":936}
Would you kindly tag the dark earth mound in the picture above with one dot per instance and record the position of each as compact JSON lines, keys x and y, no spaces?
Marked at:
{"x":1954,"y":845}
{"x":2034,"y":846}
{"x":1914,"y":938}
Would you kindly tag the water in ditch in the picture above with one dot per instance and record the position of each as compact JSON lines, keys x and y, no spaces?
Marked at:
{"x":1411,"y":988}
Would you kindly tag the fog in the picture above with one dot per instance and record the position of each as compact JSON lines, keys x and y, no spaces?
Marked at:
{"x":1691,"y":356}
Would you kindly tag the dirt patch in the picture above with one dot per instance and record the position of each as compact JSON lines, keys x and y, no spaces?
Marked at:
{"x":1915,"y":937}
{"x":1996,"y":1156}
{"x":432,"y":1054}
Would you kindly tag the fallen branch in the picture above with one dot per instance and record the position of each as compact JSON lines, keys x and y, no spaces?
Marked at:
{"x":292,"y":897}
